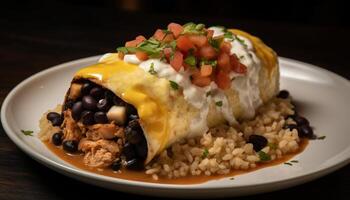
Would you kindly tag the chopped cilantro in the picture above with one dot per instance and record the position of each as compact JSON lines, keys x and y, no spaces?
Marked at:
{"x":264,"y":156}
{"x":272,"y":145}
{"x":232,"y":178}
{"x":241,"y":41}
{"x":191,"y":60}
{"x":321,"y":137}
{"x":218,"y":103}
{"x":174,"y":85}
{"x":151,"y":69}
{"x":166,"y":31}
{"x":213,"y":63}
{"x":215,"y":43}
{"x":199,"y":27}
{"x":126,"y":50}
{"x":27,"y":132}
{"x":287,"y":163}
{"x":172,"y":44}
{"x":228,"y":35}
{"x":294,"y":161}
{"x":205,"y":153}
{"x":193,"y":28}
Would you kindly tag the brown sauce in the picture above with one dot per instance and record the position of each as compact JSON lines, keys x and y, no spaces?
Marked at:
{"x":77,"y":161}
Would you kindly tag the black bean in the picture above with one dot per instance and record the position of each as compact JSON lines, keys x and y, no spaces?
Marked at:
{"x":258,"y":142}
{"x":305,"y":131}
{"x":290,"y":126}
{"x":129,"y":151}
{"x":133,"y":117}
{"x":134,"y":164}
{"x":130,"y":110}
{"x":68,"y":104}
{"x":109,"y":96}
{"x":89,"y":102}
{"x":57,"y":121}
{"x":96,"y":92}
{"x":100,"y":117}
{"x":86,"y":87}
{"x":133,"y":132}
{"x":103,"y":105}
{"x":57,"y":138}
{"x":283,"y":94}
{"x":141,"y":149}
{"x":87,"y":117}
{"x":116,"y":165}
{"x":77,"y":109}
{"x":52,"y":115}
{"x":70,"y":146}
{"x":301,"y":120}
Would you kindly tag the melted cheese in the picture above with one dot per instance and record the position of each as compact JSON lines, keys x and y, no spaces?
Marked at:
{"x":122,"y":78}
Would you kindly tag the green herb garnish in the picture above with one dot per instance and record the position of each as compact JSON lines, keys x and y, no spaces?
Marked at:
{"x":272,"y":145}
{"x":205,"y":153}
{"x":294,"y":161}
{"x":151,"y":69}
{"x":213,"y":63}
{"x":264,"y":156}
{"x":193,"y":28}
{"x":218,"y":103}
{"x":174,"y":85}
{"x":232,"y":178}
{"x":215,"y":43}
{"x":321,"y":137}
{"x":27,"y":132}
{"x":126,"y":50}
{"x":228,"y":35}
{"x":241,"y":41}
{"x":287,"y":163}
{"x":191,"y":60}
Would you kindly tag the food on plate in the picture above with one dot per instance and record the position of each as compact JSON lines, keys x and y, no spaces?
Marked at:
{"x":189,"y":100}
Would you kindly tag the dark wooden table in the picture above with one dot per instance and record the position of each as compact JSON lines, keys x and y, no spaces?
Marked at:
{"x":34,"y":39}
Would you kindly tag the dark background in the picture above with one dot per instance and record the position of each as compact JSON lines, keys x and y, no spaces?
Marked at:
{"x":35,"y":35}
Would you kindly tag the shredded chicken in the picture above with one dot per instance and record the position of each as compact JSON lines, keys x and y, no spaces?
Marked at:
{"x":100,"y":153}
{"x":71,"y":130}
{"x":104,"y":131}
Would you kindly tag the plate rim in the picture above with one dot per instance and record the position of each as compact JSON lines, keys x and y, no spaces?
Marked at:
{"x":70,"y":171}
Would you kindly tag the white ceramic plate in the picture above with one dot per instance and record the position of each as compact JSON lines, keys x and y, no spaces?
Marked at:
{"x":322,"y":97}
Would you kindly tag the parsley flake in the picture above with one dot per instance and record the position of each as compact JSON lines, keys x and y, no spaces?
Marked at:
{"x":205,"y":153}
{"x":287,"y":163}
{"x":151,"y":69}
{"x":232,"y":178}
{"x":174,"y":85}
{"x":27,"y":132}
{"x":191,"y":60}
{"x":264,"y":156}
{"x":218,"y":103}
{"x":294,"y":161}
{"x":321,"y":137}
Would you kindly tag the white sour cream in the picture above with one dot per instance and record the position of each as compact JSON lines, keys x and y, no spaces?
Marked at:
{"x":247,"y":85}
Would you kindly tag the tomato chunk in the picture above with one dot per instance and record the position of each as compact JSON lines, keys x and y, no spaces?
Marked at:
{"x":222,"y":80}
{"x":224,"y":62}
{"x":201,"y":81}
{"x":225,"y":47}
{"x":159,"y":35}
{"x":184,"y":43}
{"x":176,"y":29}
{"x":206,"y":70}
{"x":177,"y":60}
{"x":167,"y":53}
{"x":198,"y":40}
{"x":141,"y":55}
{"x":134,"y":43}
{"x":210,"y":34}
{"x":236,"y":66}
{"x":207,"y":52}
{"x":140,"y":38}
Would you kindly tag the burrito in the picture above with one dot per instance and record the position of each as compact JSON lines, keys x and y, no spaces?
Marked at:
{"x":135,"y":103}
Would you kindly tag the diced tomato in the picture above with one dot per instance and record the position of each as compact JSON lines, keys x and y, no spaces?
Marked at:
{"x":210,"y":33}
{"x":168,"y":37}
{"x":222,"y":80}
{"x":206,"y":70}
{"x":141,"y":55}
{"x":167,"y":52}
{"x":177,"y":60}
{"x":225,"y":47}
{"x":201,"y":81}
{"x":176,"y":29}
{"x":224,"y":62}
{"x":159,"y":35}
{"x":134,"y":43}
{"x":207,"y":52}
{"x":236,"y":66}
{"x":198,"y":40}
{"x":121,"y":55}
{"x":184,"y":43}
{"x":140,"y":38}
